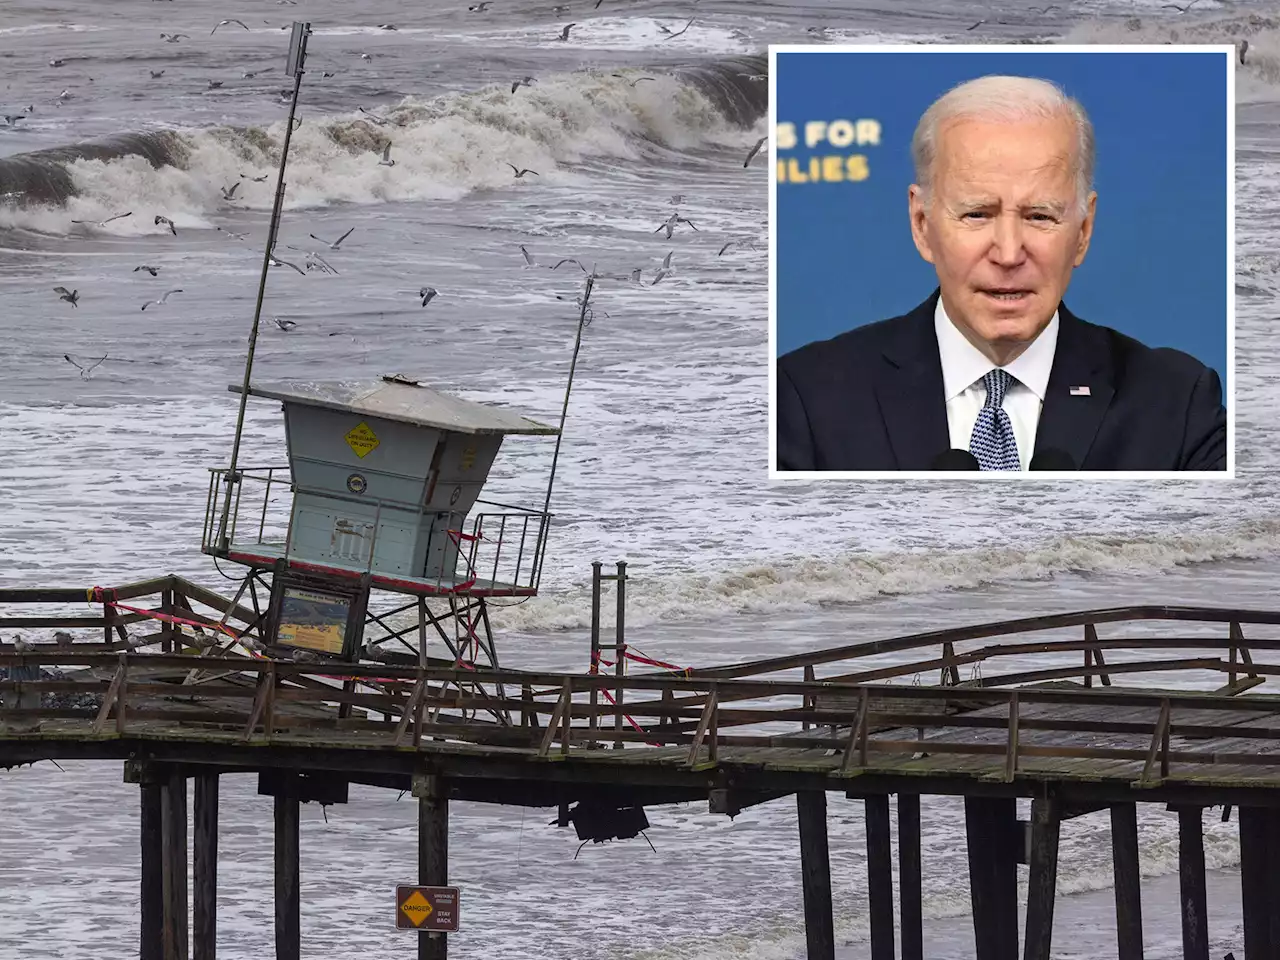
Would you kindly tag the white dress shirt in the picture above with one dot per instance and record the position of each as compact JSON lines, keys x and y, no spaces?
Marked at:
{"x":964,"y":366}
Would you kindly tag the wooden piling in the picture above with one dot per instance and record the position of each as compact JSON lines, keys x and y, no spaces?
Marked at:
{"x":815,"y":874}
{"x":173,"y":824}
{"x":1255,"y":881}
{"x":204,"y":852}
{"x":1128,"y":880}
{"x":433,"y":858}
{"x":1043,"y":879}
{"x":151,"y":835}
{"x":287,"y":870}
{"x":1273,"y":886}
{"x":991,"y":824}
{"x":1191,"y":880}
{"x":879,"y":876}
{"x":911,"y":912}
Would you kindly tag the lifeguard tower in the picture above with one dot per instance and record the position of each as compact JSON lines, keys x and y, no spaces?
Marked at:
{"x":381,"y":492}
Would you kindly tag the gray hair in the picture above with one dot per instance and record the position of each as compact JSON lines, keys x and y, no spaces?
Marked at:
{"x":1007,"y":99}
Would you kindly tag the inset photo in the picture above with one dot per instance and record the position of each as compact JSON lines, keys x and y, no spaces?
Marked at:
{"x":994,"y":261}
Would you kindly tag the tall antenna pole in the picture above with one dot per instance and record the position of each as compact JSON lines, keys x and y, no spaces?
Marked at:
{"x":294,"y":68}
{"x":583,"y":320}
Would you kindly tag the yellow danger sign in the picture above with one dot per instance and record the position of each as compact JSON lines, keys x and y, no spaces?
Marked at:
{"x":362,"y":440}
{"x":416,"y":907}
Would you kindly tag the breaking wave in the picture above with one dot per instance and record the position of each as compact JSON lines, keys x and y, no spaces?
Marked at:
{"x":443,"y":147}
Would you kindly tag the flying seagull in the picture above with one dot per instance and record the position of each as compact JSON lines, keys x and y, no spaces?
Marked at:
{"x":754,"y":150}
{"x":314,"y":260}
{"x":570,"y":260}
{"x":277,"y":262}
{"x":151,"y":270}
{"x":215,"y":84}
{"x":387,"y":26}
{"x":162,"y":298}
{"x":564,"y":34}
{"x":103,"y":223}
{"x":1244,"y":48}
{"x":523,"y":82}
{"x":223,"y":23}
{"x":249,"y":74}
{"x":635,"y":81}
{"x":85,"y":372}
{"x":173,"y":37}
{"x":261,"y":179}
{"x":479,"y":7}
{"x":664,"y":269}
{"x":166,"y":220}
{"x":670,"y":35}
{"x":520,"y":173}
{"x":156,"y":74}
{"x":232,"y":234}
{"x":57,"y":63}
{"x":229,"y":193}
{"x":71,"y":296}
{"x":672,"y":222}
{"x":529,"y":261}
{"x":285,"y":325}
{"x":426,"y":293}
{"x":372,"y":116}
{"x":386,"y":160}
{"x":1178,"y":8}
{"x":336,"y":243}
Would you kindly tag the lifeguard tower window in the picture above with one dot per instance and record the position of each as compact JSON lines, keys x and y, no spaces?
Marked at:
{"x":384,"y":478}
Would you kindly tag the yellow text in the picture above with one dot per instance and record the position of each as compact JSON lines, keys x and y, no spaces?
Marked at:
{"x":837,"y":133}
{"x":833,"y":169}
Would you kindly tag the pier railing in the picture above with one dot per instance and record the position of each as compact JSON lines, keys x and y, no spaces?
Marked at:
{"x":188,"y":677}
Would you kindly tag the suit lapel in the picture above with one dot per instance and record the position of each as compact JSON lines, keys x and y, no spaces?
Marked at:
{"x":1082,"y":358}
{"x":909,"y":391}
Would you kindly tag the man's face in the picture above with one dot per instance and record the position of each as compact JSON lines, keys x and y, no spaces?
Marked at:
{"x":1002,"y":229}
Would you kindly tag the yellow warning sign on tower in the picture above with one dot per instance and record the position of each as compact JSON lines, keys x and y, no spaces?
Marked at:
{"x":362,"y":440}
{"x":416,"y":907}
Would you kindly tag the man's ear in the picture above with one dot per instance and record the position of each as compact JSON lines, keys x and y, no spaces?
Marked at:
{"x":919,"y":222}
{"x":1086,"y":229}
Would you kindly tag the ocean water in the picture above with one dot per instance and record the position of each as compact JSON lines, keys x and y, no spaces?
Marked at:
{"x":104,"y":476}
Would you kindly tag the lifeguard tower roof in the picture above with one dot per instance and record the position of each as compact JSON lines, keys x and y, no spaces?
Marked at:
{"x":407,"y":401}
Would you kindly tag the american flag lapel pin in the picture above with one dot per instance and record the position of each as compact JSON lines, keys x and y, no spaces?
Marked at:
{"x":1079,"y":391}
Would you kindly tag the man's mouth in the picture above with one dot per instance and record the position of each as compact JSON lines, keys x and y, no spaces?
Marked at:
{"x":1007,"y":294}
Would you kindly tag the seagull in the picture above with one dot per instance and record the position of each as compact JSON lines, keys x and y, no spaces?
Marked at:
{"x":373,"y":116}
{"x":1052,"y":6}
{"x":285,"y":325}
{"x":71,"y":296}
{"x":635,"y":81}
{"x":22,"y":646}
{"x":670,"y":35}
{"x":529,"y":261}
{"x":63,"y":639}
{"x":85,"y":372}
{"x":173,"y":37}
{"x":151,"y":270}
{"x":387,"y":26}
{"x":672,"y":222}
{"x":386,"y":160}
{"x":214,"y":84}
{"x":57,"y":63}
{"x":314,"y":260}
{"x":336,"y":243}
{"x":223,"y":23}
{"x":426,"y":293}
{"x":156,"y":74}
{"x":232,"y":234}
{"x":726,"y":247}
{"x":755,"y":77}
{"x":1244,"y":48}
{"x":229,"y":193}
{"x":481,"y":7}
{"x":277,"y":262}
{"x":664,"y":269}
{"x":754,"y":150}
{"x":523,"y":82}
{"x":103,"y":223}
{"x":326,"y":75}
{"x":366,"y":56}
{"x":249,"y":74}
{"x":261,"y":179}
{"x":1178,"y":8}
{"x":162,"y":299}
{"x":564,"y":34}
{"x":172,"y":228}
{"x":520,"y":173}
{"x":570,"y":260}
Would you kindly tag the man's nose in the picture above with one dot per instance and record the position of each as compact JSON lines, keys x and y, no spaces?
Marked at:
{"x":1006,"y":242}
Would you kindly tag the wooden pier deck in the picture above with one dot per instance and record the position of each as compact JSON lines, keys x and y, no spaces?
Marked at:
{"x":1196,"y":728}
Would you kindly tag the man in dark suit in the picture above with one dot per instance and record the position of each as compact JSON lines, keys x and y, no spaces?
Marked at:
{"x":993,"y":362}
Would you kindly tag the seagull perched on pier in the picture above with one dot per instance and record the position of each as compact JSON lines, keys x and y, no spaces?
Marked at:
{"x":223,"y":23}
{"x":426,"y":293}
{"x":71,"y":296}
{"x":85,"y":371}
{"x":165,"y":220}
{"x":103,"y":223}
{"x":22,"y":646}
{"x":520,"y":173}
{"x":336,"y":243}
{"x":162,"y":299}
{"x":523,"y":82}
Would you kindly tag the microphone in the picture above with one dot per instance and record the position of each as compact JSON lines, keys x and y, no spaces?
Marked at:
{"x":954,"y":459}
{"x":1051,"y":458}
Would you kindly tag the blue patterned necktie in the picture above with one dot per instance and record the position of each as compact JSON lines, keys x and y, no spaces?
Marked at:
{"x":993,"y":442}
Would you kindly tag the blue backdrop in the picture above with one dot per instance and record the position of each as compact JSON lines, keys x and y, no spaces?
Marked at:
{"x":1157,"y":266}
